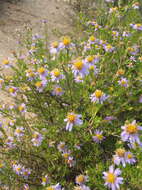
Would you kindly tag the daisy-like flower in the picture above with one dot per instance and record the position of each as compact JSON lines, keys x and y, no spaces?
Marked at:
{"x":140,"y":99}
{"x":42,"y":73}
{"x":133,"y":50}
{"x":94,"y":69}
{"x":98,"y":136}
{"x":70,"y":161}
{"x":10,"y":142}
{"x":92,"y":59}
{"x":136,"y":26}
{"x":40,"y":85}
{"x":17,"y":168}
{"x":19,"y":132}
{"x":115,"y":34}
{"x":54,"y":187}
{"x":82,"y":187}
{"x":22,"y":108}
{"x":26,"y":187}
{"x":56,"y":75}
{"x":54,"y":47}
{"x":112,"y":179}
{"x":81,"y":179}
{"x":1,"y":82}
{"x":30,"y":74}
{"x":126,"y":34}
{"x":66,"y":43}
{"x":98,"y":97}
{"x":131,"y":132}
{"x":45,"y":180}
{"x":123,"y":82}
{"x":92,"y":40}
{"x":58,"y":91}
{"x":37,"y":139}
{"x":119,"y":157}
{"x":6,"y":63}
{"x":78,"y":79}
{"x":130,"y":159}
{"x":73,"y":119}
{"x":108,"y":48}
{"x":62,"y":147}
{"x":12,"y":90}
{"x":136,"y":5}
{"x":80,"y":68}
{"x":25,"y":172}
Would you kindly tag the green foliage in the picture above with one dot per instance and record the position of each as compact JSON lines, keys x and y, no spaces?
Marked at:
{"x":40,"y":76}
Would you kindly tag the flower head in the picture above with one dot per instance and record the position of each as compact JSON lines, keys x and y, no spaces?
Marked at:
{"x":81,"y":179}
{"x":73,"y":119}
{"x":98,"y":96}
{"x":112,"y":179}
{"x":98,"y":136}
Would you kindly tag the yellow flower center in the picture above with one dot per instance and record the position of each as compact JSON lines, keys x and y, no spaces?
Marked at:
{"x":138,"y":25}
{"x":5,"y":62}
{"x":78,"y":65}
{"x":90,"y":58}
{"x":92,"y":68}
{"x":92,"y":38}
{"x":66,"y":155}
{"x":129,"y":156}
{"x":131,"y":128}
{"x":12,"y":90}
{"x":99,"y":136}
{"x":109,"y":46}
{"x":98,"y":93}
{"x":49,"y":188}
{"x":55,"y":44}
{"x":71,"y":117}
{"x":21,"y":108}
{"x":123,"y":82}
{"x":66,"y":41}
{"x":38,"y":84}
{"x":56,"y":72}
{"x":58,"y":90}
{"x":18,"y":131}
{"x":44,"y":179}
{"x":120,"y":152}
{"x":41,"y":70}
{"x":80,"y":179}
{"x":111,"y":178}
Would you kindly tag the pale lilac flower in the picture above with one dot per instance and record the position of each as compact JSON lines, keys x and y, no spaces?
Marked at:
{"x":140,"y":99}
{"x":123,"y":82}
{"x":119,"y":157}
{"x":54,"y":48}
{"x":10,"y":142}
{"x":45,"y":180}
{"x":25,"y":172}
{"x":22,"y":108}
{"x":92,"y":40}
{"x":12,"y":90}
{"x":78,"y":79}
{"x":26,"y":187}
{"x":54,"y":187}
{"x":108,"y":48}
{"x":19,"y":132}
{"x":98,"y":136}
{"x":70,"y":161}
{"x":56,"y":75}
{"x":109,"y":1}
{"x":17,"y":168}
{"x":66,"y":43}
{"x":136,"y":5}
{"x":112,"y":179}
{"x":136,"y":26}
{"x":98,"y":97}
{"x":62,"y":147}
{"x":80,"y":68}
{"x":130,"y":159}
{"x":73,"y":119}
{"x":126,"y":34}
{"x":1,"y":82}
{"x":40,"y":85}
{"x":131,"y":132}
{"x":6,"y":63}
{"x":81,"y":179}
{"x":30,"y":74}
{"x":37,"y":139}
{"x":115,"y":33}
{"x":42,"y":72}
{"x":58,"y":91}
{"x":82,"y":187}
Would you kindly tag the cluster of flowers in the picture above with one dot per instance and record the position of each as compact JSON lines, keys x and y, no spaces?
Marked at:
{"x":21,"y":170}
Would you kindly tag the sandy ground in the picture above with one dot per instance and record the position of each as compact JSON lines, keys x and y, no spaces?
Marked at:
{"x":14,"y":16}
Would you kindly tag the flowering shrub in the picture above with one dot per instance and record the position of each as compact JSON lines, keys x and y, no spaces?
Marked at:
{"x":75,"y":117}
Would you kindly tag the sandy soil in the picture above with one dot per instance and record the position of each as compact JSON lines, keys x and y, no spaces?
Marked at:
{"x":13,"y":17}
